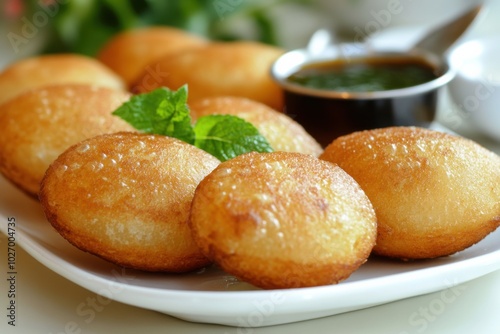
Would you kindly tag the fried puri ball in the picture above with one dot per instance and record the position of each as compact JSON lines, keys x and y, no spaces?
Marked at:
{"x":38,"y":71}
{"x":40,"y":124}
{"x":283,"y":220}
{"x":129,"y":53}
{"x":125,"y":197}
{"x":282,"y":133}
{"x":434,"y":193}
{"x":220,"y":68}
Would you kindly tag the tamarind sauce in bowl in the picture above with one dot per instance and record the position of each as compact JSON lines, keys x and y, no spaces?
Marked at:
{"x":333,"y":95}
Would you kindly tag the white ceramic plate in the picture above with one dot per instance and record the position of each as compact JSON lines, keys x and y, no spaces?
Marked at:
{"x":212,"y":296}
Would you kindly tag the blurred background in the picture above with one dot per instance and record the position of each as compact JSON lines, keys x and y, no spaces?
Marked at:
{"x":82,"y":26}
{"x":41,"y":26}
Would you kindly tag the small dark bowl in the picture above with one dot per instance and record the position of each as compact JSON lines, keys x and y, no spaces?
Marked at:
{"x":328,"y":114}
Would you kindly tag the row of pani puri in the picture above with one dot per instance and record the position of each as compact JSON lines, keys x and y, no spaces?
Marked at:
{"x":118,"y":63}
{"x":414,"y":220}
{"x":141,"y":60}
{"x":153,"y":57}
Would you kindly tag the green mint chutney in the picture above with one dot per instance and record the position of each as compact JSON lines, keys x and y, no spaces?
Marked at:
{"x":365,"y":74}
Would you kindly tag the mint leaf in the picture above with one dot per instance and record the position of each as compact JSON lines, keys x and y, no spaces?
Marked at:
{"x":165,"y":112}
{"x":227,"y":136}
{"x":161,"y":111}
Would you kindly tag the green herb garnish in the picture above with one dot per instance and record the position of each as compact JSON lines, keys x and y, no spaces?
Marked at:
{"x":165,"y":112}
{"x":227,"y":136}
{"x":160,"y":111}
{"x":85,"y":26}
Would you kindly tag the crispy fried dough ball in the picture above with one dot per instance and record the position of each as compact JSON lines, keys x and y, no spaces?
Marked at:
{"x":434,"y":194}
{"x":283,"y":220}
{"x":220,"y":68}
{"x":38,"y":125}
{"x":125,"y":197}
{"x":129,"y":53}
{"x":282,"y":133}
{"x":54,"y":69}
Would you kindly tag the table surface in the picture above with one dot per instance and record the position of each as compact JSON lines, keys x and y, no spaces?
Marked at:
{"x":47,"y":303}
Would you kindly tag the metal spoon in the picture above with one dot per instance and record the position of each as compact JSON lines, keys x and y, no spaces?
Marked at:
{"x":319,"y":41}
{"x":438,"y":40}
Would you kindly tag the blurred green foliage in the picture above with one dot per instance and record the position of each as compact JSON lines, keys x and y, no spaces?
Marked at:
{"x":83,"y":26}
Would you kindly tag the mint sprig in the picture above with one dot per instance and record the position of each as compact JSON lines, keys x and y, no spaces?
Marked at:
{"x":160,"y":111}
{"x":227,"y":136}
{"x":165,"y":112}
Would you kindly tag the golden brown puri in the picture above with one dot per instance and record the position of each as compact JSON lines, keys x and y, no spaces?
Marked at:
{"x":283,"y":220}
{"x":129,"y":53}
{"x":125,"y":197}
{"x":54,"y":69}
{"x":434,"y":194}
{"x":219,"y":68}
{"x":282,"y":133}
{"x":40,"y":124}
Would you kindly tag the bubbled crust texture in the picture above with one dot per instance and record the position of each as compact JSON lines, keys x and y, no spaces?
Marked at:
{"x":283,"y":220}
{"x":129,"y":53}
{"x":125,"y":197}
{"x":230,"y":68}
{"x":282,"y":133}
{"x":38,"y":125}
{"x":39,"y":71}
{"x":434,"y":193}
